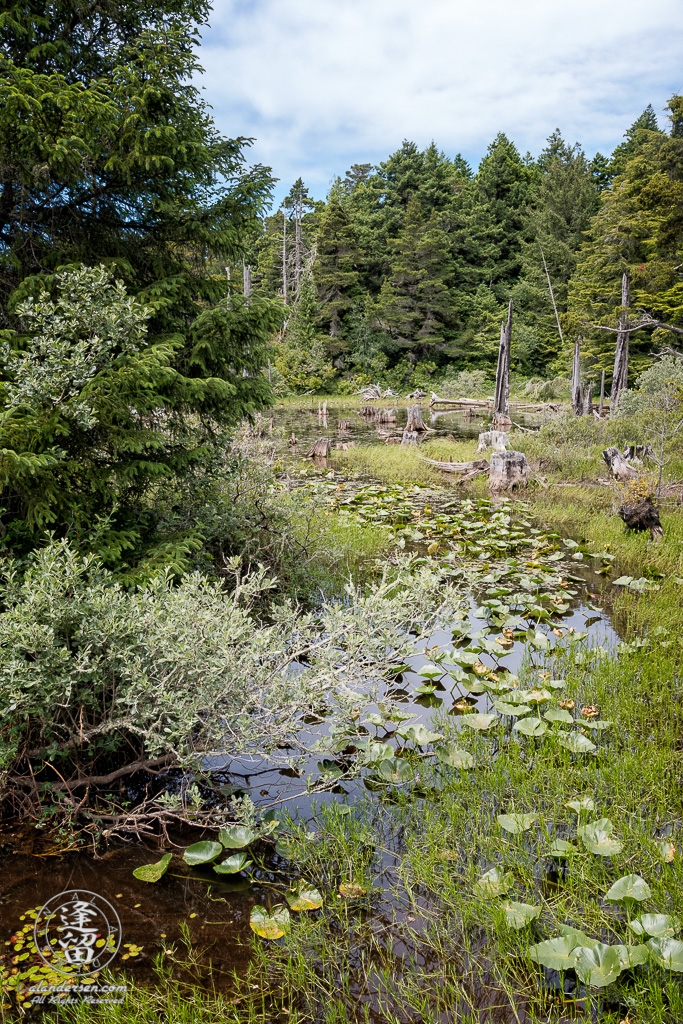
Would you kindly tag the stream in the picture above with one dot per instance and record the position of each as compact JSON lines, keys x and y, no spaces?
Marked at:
{"x":214,"y":912}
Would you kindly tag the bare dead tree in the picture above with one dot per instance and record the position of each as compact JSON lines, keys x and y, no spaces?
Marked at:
{"x":577,"y":393}
{"x":620,"y":375}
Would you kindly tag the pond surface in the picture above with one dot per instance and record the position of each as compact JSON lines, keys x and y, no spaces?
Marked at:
{"x":562,"y":585}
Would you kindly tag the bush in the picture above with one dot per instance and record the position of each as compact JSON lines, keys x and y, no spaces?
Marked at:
{"x":466,"y":384}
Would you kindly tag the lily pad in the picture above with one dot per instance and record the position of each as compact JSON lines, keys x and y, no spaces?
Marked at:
{"x":479,"y":722}
{"x":517,"y":915}
{"x":668,"y":953}
{"x":202,"y":853}
{"x":236,"y":837}
{"x":515,"y":710}
{"x":666,"y":850}
{"x":659,"y":926}
{"x":153,"y":872}
{"x":539,"y":696}
{"x":558,"y":715}
{"x":515,"y":823}
{"x":600,"y":725}
{"x":629,"y":887}
{"x":494,"y":883}
{"x":448,"y":753}
{"x":232,"y":865}
{"x":597,"y":838}
{"x":577,"y":743}
{"x":531,"y":727}
{"x":418,"y":734}
{"x":561,"y":848}
{"x":396,"y":770}
{"x":557,"y":954}
{"x":430,"y":672}
{"x":581,"y":803}
{"x":304,"y":899}
{"x":598,"y":966}
{"x":271,"y":925}
{"x":632,"y":956}
{"x":351,"y":890}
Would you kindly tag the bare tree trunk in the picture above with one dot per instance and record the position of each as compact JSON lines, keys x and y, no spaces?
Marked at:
{"x":577,"y":394}
{"x":602,"y":393}
{"x":298,"y":247}
{"x":227,"y":274}
{"x":284,"y":256}
{"x":552,"y":296}
{"x":588,"y":401}
{"x":501,"y":403}
{"x":246,"y":275}
{"x":620,"y":376}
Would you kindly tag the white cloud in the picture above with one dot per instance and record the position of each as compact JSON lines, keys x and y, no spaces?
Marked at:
{"x":322,"y":84}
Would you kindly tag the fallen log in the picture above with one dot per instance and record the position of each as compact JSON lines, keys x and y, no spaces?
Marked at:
{"x":644,"y":515}
{"x":319,"y":449}
{"x":480,"y":465}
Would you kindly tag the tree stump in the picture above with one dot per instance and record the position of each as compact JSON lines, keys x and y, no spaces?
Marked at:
{"x":385,"y":416}
{"x":616,"y":461}
{"x":508,"y":470}
{"x":415,"y":419}
{"x":344,"y":425}
{"x":496,"y":439}
{"x":642,"y":516}
{"x":319,"y":449}
{"x":344,"y":446}
{"x":409,"y":437}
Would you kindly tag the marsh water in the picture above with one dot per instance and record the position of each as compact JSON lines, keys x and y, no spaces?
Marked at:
{"x":213,"y":914}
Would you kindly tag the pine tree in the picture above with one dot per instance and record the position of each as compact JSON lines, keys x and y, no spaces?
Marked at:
{"x":335,"y":268}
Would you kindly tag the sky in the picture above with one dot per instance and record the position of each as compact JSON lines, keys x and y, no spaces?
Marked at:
{"x":324,"y":84}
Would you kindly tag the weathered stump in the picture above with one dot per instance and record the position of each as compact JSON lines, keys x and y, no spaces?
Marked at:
{"x":409,"y":437}
{"x":642,"y":516}
{"x":319,"y":449}
{"x":344,"y":425}
{"x":393,"y":440}
{"x":496,"y":439}
{"x":293,"y":441}
{"x":344,"y":446}
{"x":385,"y":416}
{"x":508,"y":470}
{"x":415,"y":419}
{"x":616,"y":461}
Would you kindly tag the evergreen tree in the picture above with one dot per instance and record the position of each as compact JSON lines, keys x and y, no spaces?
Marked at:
{"x":636,"y":137}
{"x":335,"y":264}
{"x":108,"y":154}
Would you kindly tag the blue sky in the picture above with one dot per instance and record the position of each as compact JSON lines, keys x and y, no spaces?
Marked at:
{"x":322,"y":84}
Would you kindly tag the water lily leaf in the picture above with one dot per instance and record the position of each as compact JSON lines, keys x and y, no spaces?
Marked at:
{"x":517,"y":915}
{"x":271,"y":925}
{"x":558,"y":715}
{"x":305,"y":898}
{"x":668,"y":953}
{"x":599,"y":725}
{"x":426,"y":690}
{"x":558,"y":954}
{"x":464,"y":657}
{"x":494,"y":883}
{"x":327,"y":767}
{"x":555,"y":684}
{"x":515,"y":710}
{"x":598,"y":966}
{"x":396,"y":770}
{"x":666,"y":850}
{"x":515,"y":823}
{"x":479,"y":722}
{"x":202,"y":853}
{"x":659,"y":926}
{"x":351,"y":890}
{"x":578,"y":937}
{"x":375,"y":719}
{"x":632,"y":956}
{"x":531,"y":727}
{"x":623,"y":581}
{"x":561,"y":848}
{"x":430,"y":671}
{"x":153,"y":872}
{"x":537,"y":696}
{"x":448,"y":753}
{"x":597,"y":838}
{"x":374,"y":752}
{"x":581,"y":803}
{"x":231,"y":865}
{"x":576,"y":742}
{"x":236,"y":837}
{"x":629,"y":887}
{"x":418,"y":734}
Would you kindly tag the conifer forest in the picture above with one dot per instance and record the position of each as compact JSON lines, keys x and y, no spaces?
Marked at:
{"x":341,"y":553}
